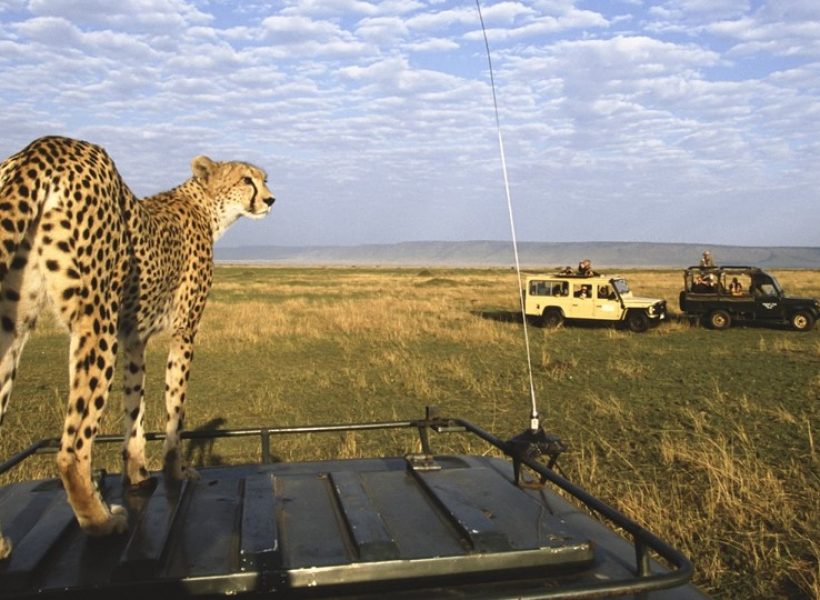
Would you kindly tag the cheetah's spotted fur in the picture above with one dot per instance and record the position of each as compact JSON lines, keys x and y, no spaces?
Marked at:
{"x":116,"y":270}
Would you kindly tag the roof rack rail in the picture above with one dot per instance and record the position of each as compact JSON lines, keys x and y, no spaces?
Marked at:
{"x":375,"y":525}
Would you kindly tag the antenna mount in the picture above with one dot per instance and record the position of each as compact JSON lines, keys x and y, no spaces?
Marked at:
{"x":531,"y":444}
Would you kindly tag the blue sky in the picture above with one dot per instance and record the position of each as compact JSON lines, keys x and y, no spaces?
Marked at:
{"x":688,"y":121}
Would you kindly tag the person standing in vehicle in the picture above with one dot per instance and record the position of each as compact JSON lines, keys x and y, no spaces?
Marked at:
{"x":706,"y":261}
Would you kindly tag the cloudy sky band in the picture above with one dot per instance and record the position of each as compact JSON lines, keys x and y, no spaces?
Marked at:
{"x":693,"y":120}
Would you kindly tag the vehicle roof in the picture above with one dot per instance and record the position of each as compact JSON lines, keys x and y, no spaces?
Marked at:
{"x":596,"y":277}
{"x":726,"y":268}
{"x":413,"y":529}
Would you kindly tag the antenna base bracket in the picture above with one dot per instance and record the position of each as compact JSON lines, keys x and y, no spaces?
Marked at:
{"x":532,"y":444}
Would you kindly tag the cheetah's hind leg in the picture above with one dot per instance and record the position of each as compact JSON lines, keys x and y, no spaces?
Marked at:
{"x":22,"y":297}
{"x":90,"y":382}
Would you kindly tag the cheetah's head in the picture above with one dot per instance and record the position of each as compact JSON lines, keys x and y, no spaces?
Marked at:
{"x":235,"y":188}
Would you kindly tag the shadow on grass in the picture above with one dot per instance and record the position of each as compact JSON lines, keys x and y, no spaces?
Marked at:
{"x":510,"y":316}
{"x":501,"y":316}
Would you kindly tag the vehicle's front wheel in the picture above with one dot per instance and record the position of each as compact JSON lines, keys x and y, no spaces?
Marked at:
{"x":719,"y":319}
{"x":637,"y":321}
{"x":802,"y":321}
{"x":552,"y":318}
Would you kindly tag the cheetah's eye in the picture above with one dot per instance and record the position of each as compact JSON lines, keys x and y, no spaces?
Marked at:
{"x":247,"y":180}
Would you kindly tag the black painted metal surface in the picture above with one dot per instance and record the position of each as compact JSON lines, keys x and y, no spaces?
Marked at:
{"x":449,"y":526}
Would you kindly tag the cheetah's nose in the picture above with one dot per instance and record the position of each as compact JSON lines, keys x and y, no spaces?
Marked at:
{"x":269,"y":201}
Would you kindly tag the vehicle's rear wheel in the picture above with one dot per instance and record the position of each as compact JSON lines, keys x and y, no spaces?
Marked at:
{"x":719,"y":319}
{"x":637,"y":321}
{"x":802,"y":321}
{"x":552,"y":318}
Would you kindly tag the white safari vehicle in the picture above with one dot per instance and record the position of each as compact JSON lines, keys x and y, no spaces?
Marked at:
{"x":550,"y":299}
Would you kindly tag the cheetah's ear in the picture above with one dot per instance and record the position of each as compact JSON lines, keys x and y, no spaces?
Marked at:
{"x":202,"y":166}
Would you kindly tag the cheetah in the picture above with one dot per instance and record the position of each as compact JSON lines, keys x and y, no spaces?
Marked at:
{"x":116,"y":270}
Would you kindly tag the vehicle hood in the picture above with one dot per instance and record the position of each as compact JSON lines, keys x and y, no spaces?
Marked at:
{"x":636,"y":301}
{"x":810,"y":303}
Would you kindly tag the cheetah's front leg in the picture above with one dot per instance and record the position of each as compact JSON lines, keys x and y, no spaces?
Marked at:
{"x":176,"y":385}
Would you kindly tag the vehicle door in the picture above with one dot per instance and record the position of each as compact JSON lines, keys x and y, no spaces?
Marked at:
{"x":582,"y":301}
{"x":768,"y":298}
{"x":607,"y":305}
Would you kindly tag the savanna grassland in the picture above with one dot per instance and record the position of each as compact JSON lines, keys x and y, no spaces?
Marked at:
{"x":707,"y":438}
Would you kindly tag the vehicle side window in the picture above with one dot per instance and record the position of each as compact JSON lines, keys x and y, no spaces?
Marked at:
{"x":605,"y":293}
{"x":767,"y":289}
{"x":736,"y":285}
{"x":702,"y":283}
{"x":548,"y":288}
{"x":582,"y":291}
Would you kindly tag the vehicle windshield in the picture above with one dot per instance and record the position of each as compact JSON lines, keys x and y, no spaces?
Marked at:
{"x":767,"y":285}
{"x":621,"y":285}
{"x":776,"y":285}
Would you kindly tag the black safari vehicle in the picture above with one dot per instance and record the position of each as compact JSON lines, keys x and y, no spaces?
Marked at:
{"x":720,"y":295}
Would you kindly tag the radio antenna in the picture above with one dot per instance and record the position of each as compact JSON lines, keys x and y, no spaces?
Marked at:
{"x":534,"y":419}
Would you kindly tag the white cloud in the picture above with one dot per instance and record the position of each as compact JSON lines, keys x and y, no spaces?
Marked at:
{"x":432,"y":45}
{"x":54,"y":31}
{"x":10,"y":5}
{"x":294,"y":29}
{"x":591,"y":66}
{"x":394,"y":75}
{"x":506,"y":13}
{"x":781,"y":28}
{"x":298,"y":35}
{"x":770,"y":37}
{"x":333,"y":8}
{"x":329,"y":7}
{"x":12,"y":51}
{"x":695,"y":12}
{"x":542,"y":26}
{"x":790,"y":10}
{"x":155,"y":15}
{"x":382,"y":29}
{"x":442,"y":20}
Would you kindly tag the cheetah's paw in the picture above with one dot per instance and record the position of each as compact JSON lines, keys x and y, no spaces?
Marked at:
{"x":180,"y":472}
{"x":144,"y":487}
{"x":5,"y":547}
{"x":190,"y":473}
{"x":116,"y":522}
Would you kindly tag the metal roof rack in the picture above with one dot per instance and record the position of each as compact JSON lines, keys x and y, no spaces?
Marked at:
{"x":411,"y":526}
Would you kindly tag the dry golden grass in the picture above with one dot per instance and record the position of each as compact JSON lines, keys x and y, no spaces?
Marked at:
{"x":708,"y":438}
